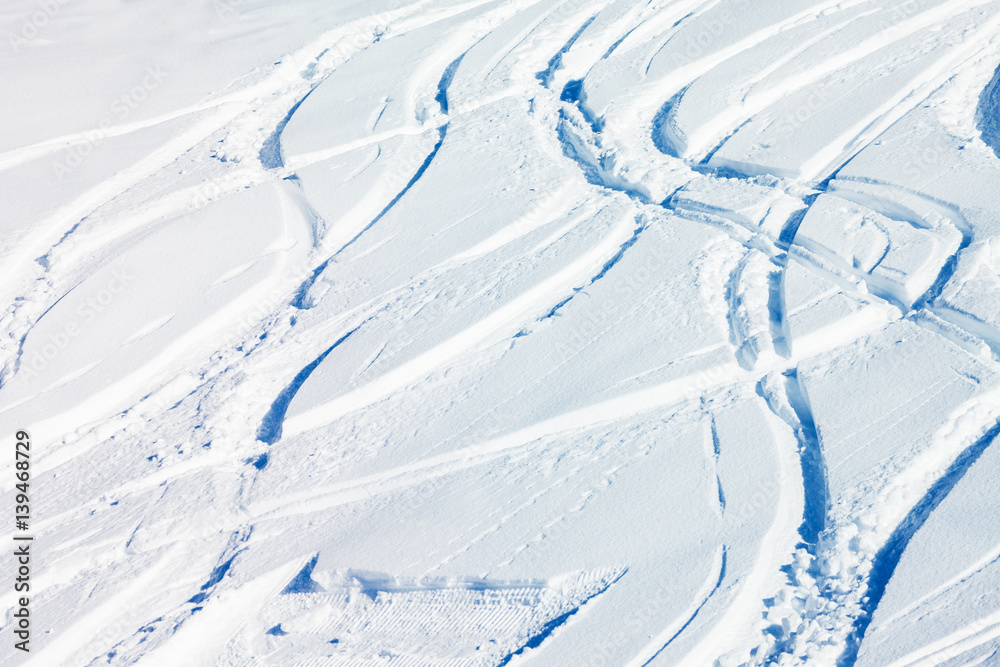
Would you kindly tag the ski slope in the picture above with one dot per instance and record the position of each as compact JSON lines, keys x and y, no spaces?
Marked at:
{"x":464,"y":333}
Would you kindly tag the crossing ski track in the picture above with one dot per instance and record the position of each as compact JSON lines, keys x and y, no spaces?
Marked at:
{"x":347,"y":374}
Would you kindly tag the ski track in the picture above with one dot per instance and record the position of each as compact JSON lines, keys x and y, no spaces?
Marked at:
{"x":988,"y":113}
{"x":671,"y":632}
{"x":280,"y":95}
{"x":885,"y":561}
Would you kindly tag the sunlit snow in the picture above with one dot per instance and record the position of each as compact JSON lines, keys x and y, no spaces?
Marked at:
{"x":464,"y":333}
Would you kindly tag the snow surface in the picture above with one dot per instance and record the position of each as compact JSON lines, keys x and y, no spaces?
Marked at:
{"x":504,"y":332}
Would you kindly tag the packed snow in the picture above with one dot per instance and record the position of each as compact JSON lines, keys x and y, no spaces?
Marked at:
{"x":503,"y":332}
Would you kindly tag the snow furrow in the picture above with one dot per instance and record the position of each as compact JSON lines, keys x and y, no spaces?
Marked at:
{"x":884,"y":562}
{"x":554,"y":625}
{"x":302,"y":299}
{"x":786,"y":400}
{"x":270,"y":427}
{"x":672,"y":631}
{"x":464,"y":340}
{"x":988,"y":113}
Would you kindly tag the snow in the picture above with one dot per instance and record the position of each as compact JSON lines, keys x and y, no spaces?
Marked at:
{"x":504,"y":332}
{"x":897,"y":260}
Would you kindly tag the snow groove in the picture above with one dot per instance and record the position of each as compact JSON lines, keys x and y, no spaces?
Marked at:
{"x":716,"y":452}
{"x":662,"y":137}
{"x":641,"y":226}
{"x":988,"y":113}
{"x":785,"y":398}
{"x":703,"y":597}
{"x":302,"y":300}
{"x":442,"y":89}
{"x":303,"y":581}
{"x":270,"y":427}
{"x":813,"y":467}
{"x":545,"y":76}
{"x":442,"y":132}
{"x":885,"y":561}
{"x":553,"y":625}
{"x":270,"y":153}
{"x":218,"y":574}
{"x":750,"y":314}
{"x":579,"y":145}
{"x":776,"y":309}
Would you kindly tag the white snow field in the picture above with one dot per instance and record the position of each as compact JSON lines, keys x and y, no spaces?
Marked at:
{"x":464,"y":333}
